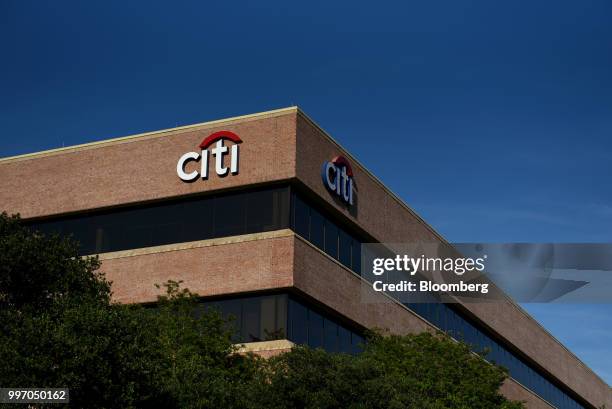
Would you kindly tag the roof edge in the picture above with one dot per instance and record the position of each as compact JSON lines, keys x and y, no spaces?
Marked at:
{"x":151,"y":134}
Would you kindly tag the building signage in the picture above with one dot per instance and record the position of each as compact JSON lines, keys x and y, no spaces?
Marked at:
{"x":218,"y":152}
{"x":337,"y":176}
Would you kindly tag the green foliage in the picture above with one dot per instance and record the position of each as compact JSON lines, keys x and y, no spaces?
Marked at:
{"x":60,"y":329}
{"x":38,"y":271}
{"x":201,"y":368}
{"x":421,"y":371}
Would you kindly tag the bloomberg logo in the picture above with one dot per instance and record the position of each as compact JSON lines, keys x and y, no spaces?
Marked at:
{"x":337,"y":176}
{"x":218,"y":152}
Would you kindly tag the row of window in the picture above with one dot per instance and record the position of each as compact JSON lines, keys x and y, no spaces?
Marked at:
{"x":204,"y":218}
{"x":253,"y":319}
{"x":312,"y":328}
{"x":312,"y":225}
{"x":281,"y":316}
{"x":460,"y":328}
{"x":175,"y":221}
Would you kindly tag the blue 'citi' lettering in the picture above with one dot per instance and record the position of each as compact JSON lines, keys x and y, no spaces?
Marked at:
{"x":337,"y":176}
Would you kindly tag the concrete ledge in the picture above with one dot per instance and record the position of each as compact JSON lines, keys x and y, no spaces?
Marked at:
{"x":196,"y":244}
{"x":266,"y":349}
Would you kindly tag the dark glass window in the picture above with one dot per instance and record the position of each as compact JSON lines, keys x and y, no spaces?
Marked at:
{"x":317,"y":231}
{"x":200,"y":217}
{"x":265,"y":210}
{"x":345,"y":243}
{"x":344,"y":339}
{"x":175,"y":221}
{"x":273,"y":321}
{"x":331,"y":239}
{"x":231,"y":312}
{"x":356,"y":256}
{"x":315,"y":329}
{"x":331,"y":336}
{"x":321,"y":231}
{"x":251,"y":316}
{"x":281,"y":325}
{"x":259,"y":318}
{"x":298,"y":318}
{"x":230,"y":215}
{"x":357,"y":342}
{"x":301,"y":217}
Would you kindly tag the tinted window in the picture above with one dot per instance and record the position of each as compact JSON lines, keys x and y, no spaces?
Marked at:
{"x":251,"y":316}
{"x":259,"y":318}
{"x":315,"y":329}
{"x":198,"y":218}
{"x":298,"y":317}
{"x":323,"y":331}
{"x":356,"y":343}
{"x":345,"y":242}
{"x":331,"y":239}
{"x":331,"y":336}
{"x":266,"y":210}
{"x":229,"y":216}
{"x":325,"y":234}
{"x":301,"y":217}
{"x":344,"y":340}
{"x":267,"y":320}
{"x":356,"y":256}
{"x":316,"y":229}
{"x":175,"y":221}
{"x":281,"y":316}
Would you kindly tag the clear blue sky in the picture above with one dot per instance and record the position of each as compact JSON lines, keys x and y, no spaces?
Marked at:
{"x":492,"y":120}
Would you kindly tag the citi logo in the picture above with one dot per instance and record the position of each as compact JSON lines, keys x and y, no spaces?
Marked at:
{"x":218,"y":152}
{"x":337,"y":176}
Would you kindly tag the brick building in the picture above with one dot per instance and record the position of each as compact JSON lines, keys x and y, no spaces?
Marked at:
{"x":240,"y":210}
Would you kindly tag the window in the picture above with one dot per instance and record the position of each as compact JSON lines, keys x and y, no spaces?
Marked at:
{"x":301,"y":217}
{"x":315,"y":329}
{"x":317,"y":232}
{"x":357,"y":343}
{"x":344,"y":339}
{"x":265,"y":210}
{"x":254,"y":319}
{"x":175,"y":221}
{"x":330,"y":336}
{"x":298,"y":322}
{"x":321,"y":231}
{"x":356,"y":256}
{"x":331,"y":239}
{"x":251,"y":315}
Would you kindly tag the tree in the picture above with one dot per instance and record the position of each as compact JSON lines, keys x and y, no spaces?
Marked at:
{"x":201,"y":368}
{"x":60,"y":329}
{"x":423,"y":371}
{"x":37,"y":272}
